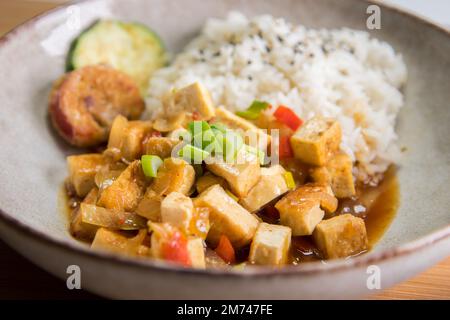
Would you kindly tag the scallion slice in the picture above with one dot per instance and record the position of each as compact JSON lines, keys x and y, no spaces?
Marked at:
{"x":193,"y":154}
{"x":255,"y":109}
{"x":150,"y":165}
{"x":289,"y":178}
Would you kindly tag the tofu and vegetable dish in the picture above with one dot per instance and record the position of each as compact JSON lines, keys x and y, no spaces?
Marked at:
{"x":190,"y":179}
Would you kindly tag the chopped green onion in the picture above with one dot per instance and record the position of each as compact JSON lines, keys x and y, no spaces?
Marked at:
{"x":219,"y":126}
{"x":193,"y":154}
{"x":260,"y":154}
{"x":203,"y":139}
{"x":196,"y":127}
{"x":255,"y":109}
{"x":150,"y":165}
{"x":230,"y":142}
{"x":289,"y":178}
{"x":231,"y":194}
{"x":202,"y":134}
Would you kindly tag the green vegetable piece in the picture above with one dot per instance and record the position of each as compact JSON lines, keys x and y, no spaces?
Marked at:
{"x":132,"y":48}
{"x":193,"y":154}
{"x":231,"y":142}
{"x":150,"y":165}
{"x":259,"y":153}
{"x":219,"y":127}
{"x":255,"y":109}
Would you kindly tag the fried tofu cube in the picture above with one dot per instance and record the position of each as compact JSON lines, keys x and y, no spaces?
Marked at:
{"x":338,"y":174}
{"x":316,"y":140}
{"x":160,"y":146}
{"x":78,"y":228}
{"x":115,"y":242}
{"x":301,"y":217}
{"x":270,"y":186}
{"x":341,"y":236}
{"x":135,"y":134}
{"x":208,"y":180}
{"x":174,"y":175}
{"x":193,"y":98}
{"x":302,"y":209}
{"x":323,"y":193}
{"x":241,"y":174}
{"x":126,"y":191}
{"x":270,"y":245}
{"x":196,"y":251}
{"x":227,"y":217}
{"x":150,"y":206}
{"x":127,"y":137}
{"x":82,"y":171}
{"x":254,"y":136}
{"x":178,"y":210}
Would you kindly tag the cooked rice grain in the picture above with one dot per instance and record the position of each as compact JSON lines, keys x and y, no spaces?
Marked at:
{"x":342,"y":73}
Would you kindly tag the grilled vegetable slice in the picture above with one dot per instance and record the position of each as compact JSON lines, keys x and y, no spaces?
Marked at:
{"x":130,"y":47}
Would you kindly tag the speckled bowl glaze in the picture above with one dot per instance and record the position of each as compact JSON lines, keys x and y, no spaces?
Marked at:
{"x":32,"y":158}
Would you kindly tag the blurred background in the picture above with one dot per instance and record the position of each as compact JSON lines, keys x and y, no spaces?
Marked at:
{"x":19,"y":279}
{"x":16,"y":11}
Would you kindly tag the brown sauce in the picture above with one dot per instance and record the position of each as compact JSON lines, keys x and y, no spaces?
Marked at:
{"x":376,"y":205}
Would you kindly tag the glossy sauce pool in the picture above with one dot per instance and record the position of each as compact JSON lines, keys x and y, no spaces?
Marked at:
{"x":380,"y":204}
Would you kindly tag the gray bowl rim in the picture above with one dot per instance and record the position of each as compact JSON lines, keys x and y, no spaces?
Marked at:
{"x":309,"y":268}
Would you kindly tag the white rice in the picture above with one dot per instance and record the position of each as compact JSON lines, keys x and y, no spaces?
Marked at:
{"x":343,"y":74}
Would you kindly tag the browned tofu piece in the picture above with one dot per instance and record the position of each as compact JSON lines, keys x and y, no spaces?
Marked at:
{"x":150,"y":206}
{"x":316,"y":140}
{"x":270,"y":245}
{"x":135,"y":134}
{"x":301,"y":209}
{"x":174,"y":175}
{"x":196,"y":251}
{"x":126,"y":191}
{"x":78,"y":228}
{"x":82,"y":171}
{"x":338,"y":174}
{"x":341,"y":236}
{"x":194,"y":98}
{"x":160,"y":146}
{"x":254,"y":136}
{"x":302,"y":217}
{"x":115,"y":242}
{"x":227,"y":217}
{"x":178,"y":210}
{"x":208,"y":180}
{"x":127,"y":137}
{"x":270,"y":186}
{"x":241,"y":174}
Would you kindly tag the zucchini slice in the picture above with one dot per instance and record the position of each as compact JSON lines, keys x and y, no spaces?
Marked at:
{"x":129,"y":47}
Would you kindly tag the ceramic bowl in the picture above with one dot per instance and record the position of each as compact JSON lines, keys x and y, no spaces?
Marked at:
{"x":32,"y":158}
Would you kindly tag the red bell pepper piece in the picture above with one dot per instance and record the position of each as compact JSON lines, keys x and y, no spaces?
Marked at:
{"x":285,"y":150}
{"x":288,"y":117}
{"x":225,"y":250}
{"x":175,"y":249}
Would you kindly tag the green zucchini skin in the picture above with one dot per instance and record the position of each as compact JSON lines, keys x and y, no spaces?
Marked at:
{"x":130,"y":47}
